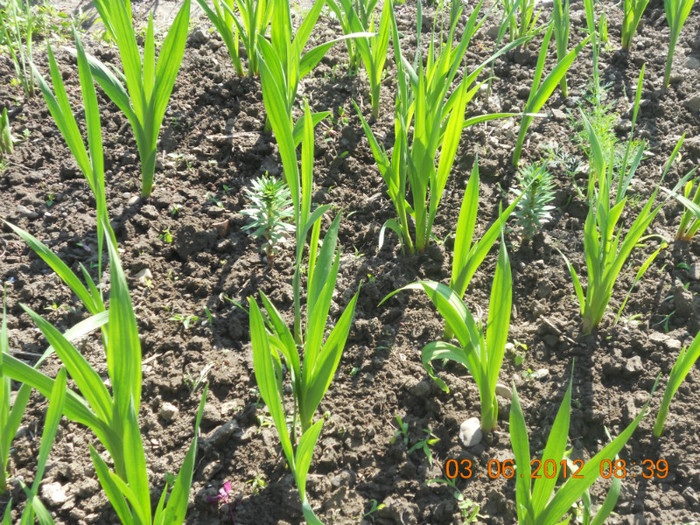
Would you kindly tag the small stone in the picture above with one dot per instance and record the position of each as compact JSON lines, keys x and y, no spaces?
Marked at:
{"x":693,"y":103}
{"x":693,"y":145}
{"x":669,"y":343}
{"x":221,"y":434}
{"x":470,"y":432}
{"x":144,"y":276}
{"x":634,"y":365}
{"x":53,"y":494}
{"x":492,"y":32}
{"x":503,"y":391}
{"x":215,"y":211}
{"x":211,"y":469}
{"x":540,"y":374}
{"x":211,"y":414}
{"x":168,"y":412}
{"x":676,"y":77}
{"x":133,"y":200}
{"x":26,"y":212}
{"x":683,"y":301}
{"x":221,"y":227}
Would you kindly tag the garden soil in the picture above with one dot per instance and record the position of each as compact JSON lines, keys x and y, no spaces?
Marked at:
{"x":192,"y":268}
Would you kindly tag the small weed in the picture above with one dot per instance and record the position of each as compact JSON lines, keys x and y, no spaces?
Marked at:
{"x":424,"y":444}
{"x":376,"y":506}
{"x":258,"y":483}
{"x":402,"y":432}
{"x":194,"y":382}
{"x":166,"y":236}
{"x":186,"y":320}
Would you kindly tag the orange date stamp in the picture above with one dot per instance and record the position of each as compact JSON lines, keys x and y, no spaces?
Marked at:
{"x":550,"y":469}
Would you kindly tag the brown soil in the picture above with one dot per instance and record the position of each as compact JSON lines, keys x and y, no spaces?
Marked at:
{"x":212,"y":145}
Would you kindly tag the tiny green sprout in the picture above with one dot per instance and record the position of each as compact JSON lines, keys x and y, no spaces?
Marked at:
{"x":264,"y":421}
{"x":402,"y":432}
{"x":184,"y":319}
{"x":258,"y":483}
{"x":166,"y":236}
{"x":376,"y":506}
{"x":269,"y":211}
{"x":194,"y":382}
{"x":209,"y":317}
{"x":214,"y":200}
{"x":50,"y":199}
{"x":468,"y":508}
{"x":354,"y":371}
{"x":424,"y":444}
{"x":533,"y":210}
{"x":170,"y":478}
{"x":176,"y":210}
{"x":517,"y":350}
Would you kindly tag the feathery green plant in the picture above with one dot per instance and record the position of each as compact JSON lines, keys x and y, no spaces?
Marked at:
{"x":481,"y":349}
{"x":17,"y":28}
{"x":143,"y":90}
{"x":6,"y":146}
{"x":372,"y":50}
{"x":676,"y":13}
{"x":240,"y":21}
{"x":536,"y":187}
{"x":632,"y":14}
{"x":270,"y":209}
{"x":540,"y":503}
{"x":684,"y":363}
{"x":541,"y":90}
